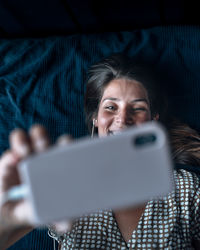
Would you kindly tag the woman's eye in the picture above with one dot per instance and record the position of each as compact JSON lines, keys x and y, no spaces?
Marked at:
{"x":110,"y":107}
{"x":139,"y":109}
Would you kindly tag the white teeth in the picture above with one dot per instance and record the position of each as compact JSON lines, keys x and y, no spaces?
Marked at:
{"x":114,"y":132}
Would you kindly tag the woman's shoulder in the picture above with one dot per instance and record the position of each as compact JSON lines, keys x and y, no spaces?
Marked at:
{"x":186,"y":183}
{"x":184,"y":176}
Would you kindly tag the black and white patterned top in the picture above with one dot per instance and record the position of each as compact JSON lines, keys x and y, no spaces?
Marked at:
{"x":168,"y":223}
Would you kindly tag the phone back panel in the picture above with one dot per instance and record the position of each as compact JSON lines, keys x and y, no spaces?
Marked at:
{"x":111,"y":172}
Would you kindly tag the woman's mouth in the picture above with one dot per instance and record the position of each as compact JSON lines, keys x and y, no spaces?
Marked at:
{"x":114,"y":132}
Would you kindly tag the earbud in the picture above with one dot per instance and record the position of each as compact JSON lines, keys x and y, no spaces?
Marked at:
{"x":93,"y":125}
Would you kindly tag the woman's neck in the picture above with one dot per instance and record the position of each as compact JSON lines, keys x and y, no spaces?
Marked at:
{"x":128,"y":219}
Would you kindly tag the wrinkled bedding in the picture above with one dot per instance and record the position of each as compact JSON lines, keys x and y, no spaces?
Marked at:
{"x":43,"y":80}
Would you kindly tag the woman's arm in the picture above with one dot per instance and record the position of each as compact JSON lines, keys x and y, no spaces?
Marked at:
{"x":13,"y":215}
{"x":16,"y":216}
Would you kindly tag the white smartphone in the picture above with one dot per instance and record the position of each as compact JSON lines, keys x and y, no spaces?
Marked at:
{"x":101,"y":173}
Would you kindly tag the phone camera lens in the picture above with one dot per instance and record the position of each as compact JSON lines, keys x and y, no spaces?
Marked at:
{"x":143,"y":140}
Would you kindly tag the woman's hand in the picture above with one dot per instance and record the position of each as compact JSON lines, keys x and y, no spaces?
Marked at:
{"x":16,"y":214}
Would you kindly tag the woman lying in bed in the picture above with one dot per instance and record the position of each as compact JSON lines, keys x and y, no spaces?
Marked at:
{"x":118,"y":95}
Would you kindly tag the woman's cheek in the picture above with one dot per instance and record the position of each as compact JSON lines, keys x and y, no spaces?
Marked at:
{"x":104,"y":120}
{"x":141,"y":118}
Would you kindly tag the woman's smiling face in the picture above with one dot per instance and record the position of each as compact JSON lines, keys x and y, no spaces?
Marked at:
{"x":124,"y":103}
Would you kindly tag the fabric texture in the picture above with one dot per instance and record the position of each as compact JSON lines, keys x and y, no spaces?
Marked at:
{"x":168,"y":223}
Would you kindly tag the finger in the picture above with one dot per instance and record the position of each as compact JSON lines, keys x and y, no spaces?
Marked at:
{"x":20,"y":143}
{"x":39,"y":138}
{"x":17,"y":213}
{"x":63,"y":226}
{"x":23,"y":213}
{"x":64,"y":140}
{"x":8,"y":172}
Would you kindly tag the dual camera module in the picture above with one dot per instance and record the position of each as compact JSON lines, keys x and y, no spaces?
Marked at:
{"x":144,"y":139}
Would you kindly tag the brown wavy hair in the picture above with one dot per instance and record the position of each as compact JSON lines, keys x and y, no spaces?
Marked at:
{"x":185,"y":144}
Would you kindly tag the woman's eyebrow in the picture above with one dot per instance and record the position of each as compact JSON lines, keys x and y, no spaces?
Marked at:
{"x":133,"y":101}
{"x":110,"y":99}
{"x":140,"y":100}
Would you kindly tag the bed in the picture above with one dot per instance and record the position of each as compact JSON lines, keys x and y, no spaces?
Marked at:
{"x":43,"y":80}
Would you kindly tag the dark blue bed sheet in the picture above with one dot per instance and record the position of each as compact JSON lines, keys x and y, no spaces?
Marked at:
{"x":38,"y":239}
{"x":43,"y":80}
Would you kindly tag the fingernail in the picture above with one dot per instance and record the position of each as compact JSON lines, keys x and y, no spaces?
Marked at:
{"x":22,"y":150}
{"x":63,"y":140}
{"x":40,"y":144}
{"x":63,"y":226}
{"x":9,"y":158}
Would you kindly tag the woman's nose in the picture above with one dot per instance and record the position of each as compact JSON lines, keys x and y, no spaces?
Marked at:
{"x":124,"y":118}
